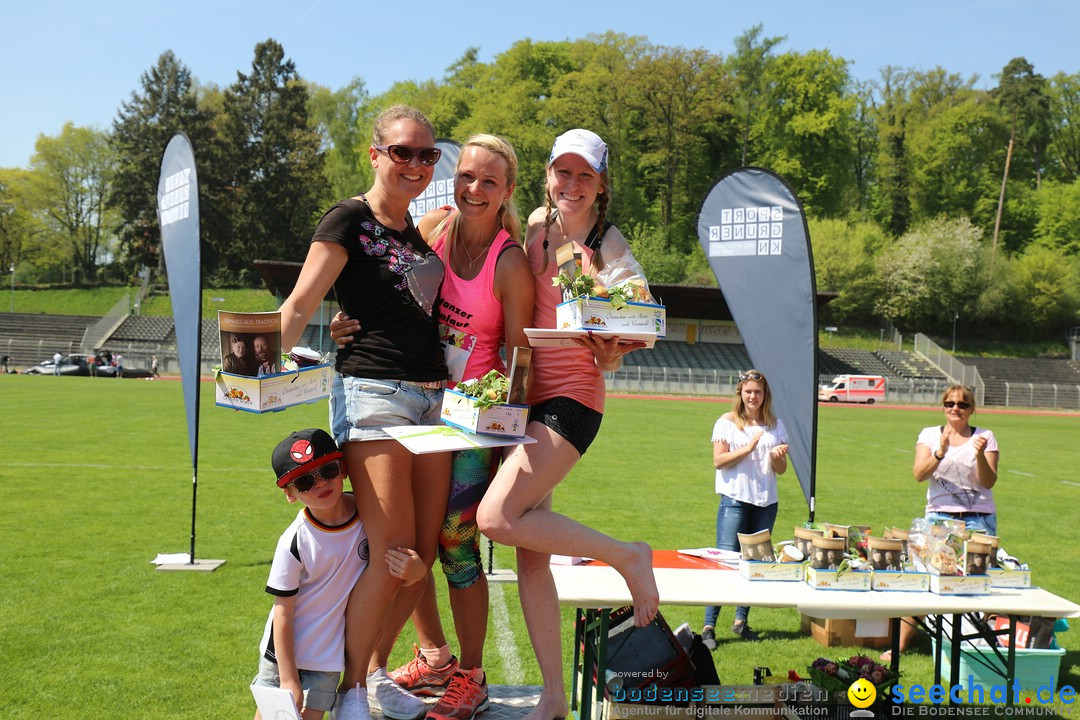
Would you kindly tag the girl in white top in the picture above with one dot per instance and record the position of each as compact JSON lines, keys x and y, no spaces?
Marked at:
{"x":749,"y":451}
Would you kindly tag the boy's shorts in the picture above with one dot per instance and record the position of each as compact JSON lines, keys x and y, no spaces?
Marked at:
{"x":361,"y":407}
{"x":320,"y":688}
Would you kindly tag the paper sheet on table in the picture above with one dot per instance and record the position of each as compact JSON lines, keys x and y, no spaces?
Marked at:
{"x":730,"y":558}
{"x":275,"y":703}
{"x":171,"y":559}
{"x":423,"y":439}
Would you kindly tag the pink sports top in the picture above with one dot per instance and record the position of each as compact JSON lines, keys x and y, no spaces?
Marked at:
{"x":560,"y":371}
{"x":471,"y":323}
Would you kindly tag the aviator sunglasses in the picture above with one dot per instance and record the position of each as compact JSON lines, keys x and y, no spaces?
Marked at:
{"x":329,"y":471}
{"x":960,"y":404}
{"x":402,"y":154}
{"x":751,"y":376}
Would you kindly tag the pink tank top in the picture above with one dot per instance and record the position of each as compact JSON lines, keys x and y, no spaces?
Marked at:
{"x":471,"y":319}
{"x":560,"y":371}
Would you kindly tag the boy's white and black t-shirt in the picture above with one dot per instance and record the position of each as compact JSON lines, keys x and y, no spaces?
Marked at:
{"x":319,"y":564}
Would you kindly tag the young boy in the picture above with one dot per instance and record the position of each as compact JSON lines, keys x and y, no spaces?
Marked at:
{"x":317,"y":562}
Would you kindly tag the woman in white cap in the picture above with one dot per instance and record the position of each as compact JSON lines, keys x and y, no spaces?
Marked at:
{"x":566,"y":395}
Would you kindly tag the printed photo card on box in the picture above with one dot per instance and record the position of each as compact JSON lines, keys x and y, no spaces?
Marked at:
{"x":250,"y":343}
{"x":757,"y":546}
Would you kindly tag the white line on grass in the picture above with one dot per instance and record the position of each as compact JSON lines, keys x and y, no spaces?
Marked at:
{"x":504,"y":636}
{"x":1070,"y":482}
{"x":1018,"y":472}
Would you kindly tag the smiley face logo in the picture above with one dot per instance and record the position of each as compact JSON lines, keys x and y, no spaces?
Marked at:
{"x":862,"y":693}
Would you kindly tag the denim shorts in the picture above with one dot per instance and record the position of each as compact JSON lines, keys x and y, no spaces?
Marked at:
{"x":979,"y":522}
{"x":361,"y":407}
{"x":320,"y":688}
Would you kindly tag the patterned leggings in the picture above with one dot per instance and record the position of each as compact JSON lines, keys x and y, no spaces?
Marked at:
{"x":459,"y":541}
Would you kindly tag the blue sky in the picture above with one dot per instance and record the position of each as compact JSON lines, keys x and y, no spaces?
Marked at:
{"x":78,"y":60}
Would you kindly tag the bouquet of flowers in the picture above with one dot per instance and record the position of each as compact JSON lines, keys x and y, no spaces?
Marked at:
{"x":837,"y":675}
{"x":491,"y":389}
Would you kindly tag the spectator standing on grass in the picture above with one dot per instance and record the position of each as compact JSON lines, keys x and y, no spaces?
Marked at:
{"x":57,"y":358}
{"x":566,"y":393}
{"x":154,"y":367}
{"x":118,"y":362}
{"x":749,"y":452}
{"x":315,"y":567}
{"x":392,"y":374}
{"x":5,"y":363}
{"x":959,"y":463}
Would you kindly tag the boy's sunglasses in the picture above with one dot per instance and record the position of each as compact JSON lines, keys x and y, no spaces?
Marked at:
{"x":960,"y":404}
{"x":329,"y":471}
{"x":402,"y":154}
{"x":751,"y":376}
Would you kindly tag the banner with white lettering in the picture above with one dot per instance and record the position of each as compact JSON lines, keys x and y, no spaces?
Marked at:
{"x":754,"y":234}
{"x":440,"y":191}
{"x":178,"y":215}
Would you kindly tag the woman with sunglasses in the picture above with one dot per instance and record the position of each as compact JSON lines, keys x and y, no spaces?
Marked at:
{"x":566,"y":395}
{"x":391,"y":374}
{"x":486,"y":301}
{"x":959,"y":462}
{"x":749,"y":451}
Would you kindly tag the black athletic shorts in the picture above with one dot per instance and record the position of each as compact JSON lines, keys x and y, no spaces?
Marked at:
{"x":574,"y":421}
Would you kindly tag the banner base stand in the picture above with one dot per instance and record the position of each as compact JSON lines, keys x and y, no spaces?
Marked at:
{"x":198,"y":565}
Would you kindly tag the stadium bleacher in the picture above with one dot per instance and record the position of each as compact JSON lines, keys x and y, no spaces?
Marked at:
{"x":998,"y":372}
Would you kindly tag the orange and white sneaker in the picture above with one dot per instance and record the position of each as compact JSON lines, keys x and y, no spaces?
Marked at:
{"x":466,"y":696}
{"x":419,"y":678}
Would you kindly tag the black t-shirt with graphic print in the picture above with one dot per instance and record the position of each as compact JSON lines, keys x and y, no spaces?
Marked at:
{"x":390,"y":283}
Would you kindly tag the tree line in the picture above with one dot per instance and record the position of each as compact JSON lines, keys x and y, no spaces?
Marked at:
{"x":927,"y":197}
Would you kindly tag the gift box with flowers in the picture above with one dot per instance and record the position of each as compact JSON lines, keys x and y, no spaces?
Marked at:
{"x":836,"y":676}
{"x":627,"y":306}
{"x":479,"y":406}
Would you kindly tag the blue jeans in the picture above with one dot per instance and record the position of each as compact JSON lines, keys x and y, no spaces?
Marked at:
{"x":734,"y":517}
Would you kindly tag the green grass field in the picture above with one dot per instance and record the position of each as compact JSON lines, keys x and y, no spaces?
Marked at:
{"x":90,"y":628}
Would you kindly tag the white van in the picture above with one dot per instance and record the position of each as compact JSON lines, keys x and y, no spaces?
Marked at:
{"x":854,"y":388}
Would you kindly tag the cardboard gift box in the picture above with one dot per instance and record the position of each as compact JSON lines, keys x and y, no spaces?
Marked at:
{"x":897,"y":581}
{"x":1008,"y":578}
{"x":960,"y":584}
{"x":782,"y":571}
{"x":595,"y":313}
{"x":461,"y":411}
{"x":271,"y":393}
{"x":836,"y":580}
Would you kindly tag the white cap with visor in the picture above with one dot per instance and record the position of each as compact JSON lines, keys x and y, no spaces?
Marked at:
{"x":583,"y":143}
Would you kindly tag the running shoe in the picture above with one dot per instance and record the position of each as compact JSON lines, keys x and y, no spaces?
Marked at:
{"x":419,"y":678}
{"x":395,"y":701}
{"x":466,"y":696}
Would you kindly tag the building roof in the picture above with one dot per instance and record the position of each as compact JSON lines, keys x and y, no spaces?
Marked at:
{"x":681,"y":301}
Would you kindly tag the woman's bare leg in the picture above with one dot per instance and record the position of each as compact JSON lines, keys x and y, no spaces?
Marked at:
{"x":511,"y":513}
{"x":430,"y":487}
{"x":385,"y":505}
{"x":540,"y":606}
